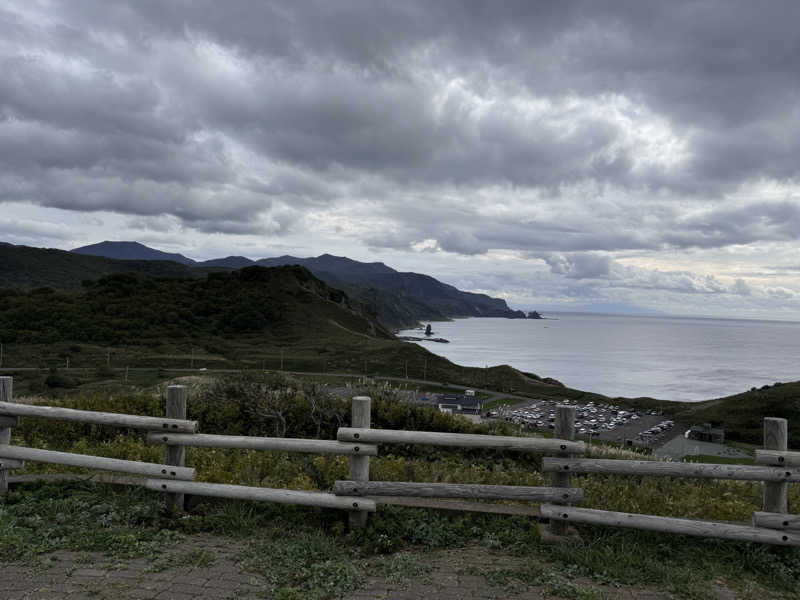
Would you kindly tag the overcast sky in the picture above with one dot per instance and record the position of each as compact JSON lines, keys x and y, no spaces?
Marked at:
{"x":557,"y":154}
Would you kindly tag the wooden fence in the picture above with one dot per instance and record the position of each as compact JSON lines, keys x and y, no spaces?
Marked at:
{"x":776,"y":468}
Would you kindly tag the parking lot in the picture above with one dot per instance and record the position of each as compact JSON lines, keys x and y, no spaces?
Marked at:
{"x":601,"y":421}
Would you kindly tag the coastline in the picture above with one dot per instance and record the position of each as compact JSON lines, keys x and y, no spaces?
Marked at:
{"x":629,"y":356}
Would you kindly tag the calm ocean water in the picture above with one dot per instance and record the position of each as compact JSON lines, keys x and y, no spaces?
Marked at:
{"x":670,"y":358}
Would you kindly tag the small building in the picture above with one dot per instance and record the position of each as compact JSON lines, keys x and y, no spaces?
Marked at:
{"x":461,"y":404}
{"x":705,"y":432}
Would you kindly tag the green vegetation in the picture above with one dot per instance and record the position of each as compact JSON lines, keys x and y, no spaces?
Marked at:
{"x":397,"y":299}
{"x":743,"y":414}
{"x":308,"y":553}
{"x":498,"y":402}
{"x":26,"y":267}
{"x":132,"y":309}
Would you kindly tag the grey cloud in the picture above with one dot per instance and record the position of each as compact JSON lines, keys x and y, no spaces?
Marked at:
{"x":596,"y":127}
{"x":741,"y":288}
{"x":606,"y":271}
{"x":780,"y":293}
{"x":26,"y":230}
{"x":580,"y":266}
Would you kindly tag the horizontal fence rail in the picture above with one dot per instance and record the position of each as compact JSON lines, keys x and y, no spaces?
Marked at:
{"x":202,"y":440}
{"x":459,"y":440}
{"x":776,"y":468}
{"x":519,"y":510}
{"x":7,"y":421}
{"x":11,"y":463}
{"x":457,"y":490}
{"x":98,"y":418}
{"x":669,"y":469}
{"x":777,"y":521}
{"x":669,"y":525}
{"x":95,"y":462}
{"x":241,"y":492}
{"x":783,"y":458}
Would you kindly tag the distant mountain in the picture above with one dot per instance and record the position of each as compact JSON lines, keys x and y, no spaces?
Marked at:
{"x":333,"y":268}
{"x":26,"y":267}
{"x":131,"y":251}
{"x":229,"y":262}
{"x":398,"y":299}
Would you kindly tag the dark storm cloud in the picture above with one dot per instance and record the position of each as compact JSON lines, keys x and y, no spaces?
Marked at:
{"x":244,"y":117}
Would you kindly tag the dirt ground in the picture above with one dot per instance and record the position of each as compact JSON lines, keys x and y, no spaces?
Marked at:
{"x":461,"y":574}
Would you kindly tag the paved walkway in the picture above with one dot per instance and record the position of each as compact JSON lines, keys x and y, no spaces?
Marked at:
{"x":79,"y":576}
{"x":679,"y":446}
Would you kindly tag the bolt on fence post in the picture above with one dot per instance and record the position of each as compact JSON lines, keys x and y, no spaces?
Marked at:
{"x":359,"y":465}
{"x":175,"y":455}
{"x":776,"y":437}
{"x":564,"y":430}
{"x":6,"y":423}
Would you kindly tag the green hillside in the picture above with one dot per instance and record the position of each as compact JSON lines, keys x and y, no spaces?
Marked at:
{"x":743,"y":414}
{"x":282,"y":317}
{"x":23,"y":266}
{"x":284,"y":305}
{"x":397,"y":299}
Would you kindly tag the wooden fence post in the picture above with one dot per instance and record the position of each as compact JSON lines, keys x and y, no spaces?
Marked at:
{"x":6,"y":384}
{"x":776,"y":437}
{"x":175,"y":455}
{"x":564,"y":430}
{"x":359,"y":465}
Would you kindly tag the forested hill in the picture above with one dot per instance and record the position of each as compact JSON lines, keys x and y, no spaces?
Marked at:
{"x":398,"y":299}
{"x":26,"y":267}
{"x":282,"y":305}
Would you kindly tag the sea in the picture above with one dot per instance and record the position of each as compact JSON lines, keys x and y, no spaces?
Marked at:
{"x":669,"y":358}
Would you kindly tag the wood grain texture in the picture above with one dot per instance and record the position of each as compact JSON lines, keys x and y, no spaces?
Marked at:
{"x":669,"y":525}
{"x":359,"y":465}
{"x":456,"y":490}
{"x":7,"y":464}
{"x":203,"y":440}
{"x":281,"y":496}
{"x":779,"y":458}
{"x":6,"y":392}
{"x":565,"y":430}
{"x":99,"y":418}
{"x":776,"y":437}
{"x":96,"y":462}
{"x":777,"y":521}
{"x":6,"y":421}
{"x":669,"y":469}
{"x":173,"y":454}
{"x":459,"y":505}
{"x":458,"y":440}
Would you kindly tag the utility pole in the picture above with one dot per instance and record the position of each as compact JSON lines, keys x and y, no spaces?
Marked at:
{"x":68,"y":362}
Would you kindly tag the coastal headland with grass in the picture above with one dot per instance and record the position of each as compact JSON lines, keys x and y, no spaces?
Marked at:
{"x":277,"y":352}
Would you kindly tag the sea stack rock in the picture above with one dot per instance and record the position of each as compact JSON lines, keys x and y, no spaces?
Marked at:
{"x":428,"y":330}
{"x":534,"y":315}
